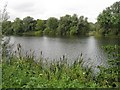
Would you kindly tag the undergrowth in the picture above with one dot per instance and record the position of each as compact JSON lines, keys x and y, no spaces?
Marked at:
{"x":24,"y":72}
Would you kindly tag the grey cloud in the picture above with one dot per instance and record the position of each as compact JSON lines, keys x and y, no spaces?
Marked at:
{"x":24,"y":7}
{"x":29,"y":8}
{"x":47,"y":8}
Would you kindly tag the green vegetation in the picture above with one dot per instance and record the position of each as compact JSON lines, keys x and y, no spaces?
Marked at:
{"x":24,"y":72}
{"x":108,"y":21}
{"x":20,"y":71}
{"x":108,"y":24}
{"x":67,"y":25}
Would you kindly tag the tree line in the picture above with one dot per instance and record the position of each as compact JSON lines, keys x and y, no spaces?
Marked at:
{"x":67,"y":25}
{"x":108,"y":22}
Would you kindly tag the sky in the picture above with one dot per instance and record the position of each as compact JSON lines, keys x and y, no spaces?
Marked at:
{"x":43,"y":9}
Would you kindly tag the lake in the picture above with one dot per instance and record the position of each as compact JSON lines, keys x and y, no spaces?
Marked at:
{"x":55,"y":47}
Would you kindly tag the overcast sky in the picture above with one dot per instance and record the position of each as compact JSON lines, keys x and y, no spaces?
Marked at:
{"x":43,"y":9}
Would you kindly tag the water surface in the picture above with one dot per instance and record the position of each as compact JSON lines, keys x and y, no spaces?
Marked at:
{"x":55,"y":47}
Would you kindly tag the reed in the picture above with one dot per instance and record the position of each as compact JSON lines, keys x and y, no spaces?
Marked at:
{"x":24,"y":72}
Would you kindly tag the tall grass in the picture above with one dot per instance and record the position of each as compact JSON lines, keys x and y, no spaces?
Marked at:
{"x":24,"y":72}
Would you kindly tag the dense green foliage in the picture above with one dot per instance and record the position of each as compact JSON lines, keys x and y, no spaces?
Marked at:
{"x":40,"y":25}
{"x":51,"y":26}
{"x":23,"y":72}
{"x":17,"y":26}
{"x":109,"y":20}
{"x":67,"y":25}
{"x":110,"y":76}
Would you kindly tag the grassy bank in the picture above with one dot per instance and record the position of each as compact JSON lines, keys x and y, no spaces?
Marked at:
{"x":23,"y":72}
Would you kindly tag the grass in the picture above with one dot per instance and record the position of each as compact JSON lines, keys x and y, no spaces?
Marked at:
{"x":24,"y":72}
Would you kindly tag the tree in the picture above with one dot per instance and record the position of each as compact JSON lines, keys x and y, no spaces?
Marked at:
{"x":29,"y":24}
{"x":73,"y":30}
{"x":40,"y":25}
{"x":73,"y":25}
{"x":51,"y":25}
{"x":6,"y":28}
{"x":109,"y":19}
{"x":74,"y":20}
{"x":64,"y":25}
{"x":83,"y":26}
{"x":17,"y":26}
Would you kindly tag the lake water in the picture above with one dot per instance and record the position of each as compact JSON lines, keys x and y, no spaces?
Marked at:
{"x":56,"y":47}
